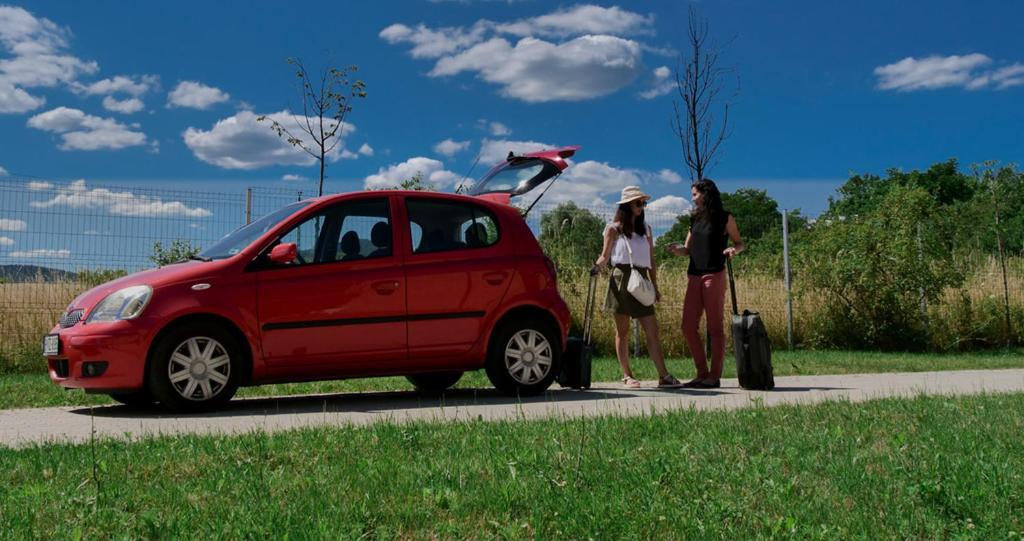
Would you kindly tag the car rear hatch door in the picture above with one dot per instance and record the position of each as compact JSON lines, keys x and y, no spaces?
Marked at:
{"x":520,"y":174}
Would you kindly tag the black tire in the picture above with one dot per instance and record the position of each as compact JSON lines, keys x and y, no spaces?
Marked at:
{"x":536,"y":376}
{"x":136,"y":399}
{"x":200,"y":389}
{"x":433,"y":383}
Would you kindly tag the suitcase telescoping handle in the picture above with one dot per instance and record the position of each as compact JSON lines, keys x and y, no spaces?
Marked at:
{"x":588,"y":310}
{"x":732,"y":286}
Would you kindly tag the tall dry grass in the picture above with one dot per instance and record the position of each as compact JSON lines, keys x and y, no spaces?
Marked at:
{"x":968,"y":317}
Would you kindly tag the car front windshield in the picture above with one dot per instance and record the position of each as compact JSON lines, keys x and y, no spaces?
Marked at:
{"x":237,"y":240}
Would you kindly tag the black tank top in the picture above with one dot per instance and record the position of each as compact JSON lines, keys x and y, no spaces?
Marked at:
{"x":707,"y":242}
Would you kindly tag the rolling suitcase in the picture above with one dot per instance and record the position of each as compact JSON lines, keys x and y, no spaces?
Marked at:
{"x":579,"y":351}
{"x":751,"y":345}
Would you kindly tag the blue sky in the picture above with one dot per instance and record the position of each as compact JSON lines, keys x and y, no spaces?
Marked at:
{"x":163,"y":94}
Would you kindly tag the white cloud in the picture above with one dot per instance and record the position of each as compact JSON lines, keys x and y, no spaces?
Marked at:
{"x":1009,"y":76}
{"x":498,"y":129}
{"x":38,"y":186}
{"x":78,"y":196}
{"x":7,"y":224}
{"x":493,"y":151}
{"x":432,"y":171}
{"x":539,"y":71}
{"x":428,"y":43}
{"x":126,"y":106}
{"x":134,"y":86}
{"x":449,"y":147}
{"x":37,"y":49}
{"x":670,"y":204}
{"x":41,"y":254}
{"x":669,"y":176}
{"x":934,"y":72}
{"x":6,"y":241}
{"x":240,"y":142}
{"x":661,"y":83}
{"x":80,"y":131}
{"x":293,"y":178}
{"x":3,"y":172}
{"x":366,"y":150}
{"x":196,"y":95}
{"x":580,"y":20}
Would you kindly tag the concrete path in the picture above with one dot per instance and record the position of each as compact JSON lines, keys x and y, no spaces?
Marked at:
{"x":28,"y":426}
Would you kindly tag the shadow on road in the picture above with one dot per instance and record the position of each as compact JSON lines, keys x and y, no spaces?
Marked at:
{"x":373,"y":402}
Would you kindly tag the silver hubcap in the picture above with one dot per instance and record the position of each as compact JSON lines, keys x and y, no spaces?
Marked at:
{"x":528,"y":356}
{"x":199,"y":368}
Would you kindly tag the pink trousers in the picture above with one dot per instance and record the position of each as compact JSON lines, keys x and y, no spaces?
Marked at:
{"x":705,"y":294}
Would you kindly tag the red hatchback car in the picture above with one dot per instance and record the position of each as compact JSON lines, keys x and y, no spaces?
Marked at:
{"x":375,"y":283}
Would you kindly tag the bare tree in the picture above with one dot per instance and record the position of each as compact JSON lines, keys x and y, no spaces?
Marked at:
{"x":325,"y":104}
{"x":700,"y":84}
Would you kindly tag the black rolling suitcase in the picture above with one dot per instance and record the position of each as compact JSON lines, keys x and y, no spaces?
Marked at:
{"x":579,"y":352}
{"x":751,"y":345}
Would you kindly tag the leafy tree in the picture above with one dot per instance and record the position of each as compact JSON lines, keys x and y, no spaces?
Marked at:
{"x":942,"y":181}
{"x":179,"y":250}
{"x":571,"y":236}
{"x":874,"y":269}
{"x":325,"y":104}
{"x":755,"y":212}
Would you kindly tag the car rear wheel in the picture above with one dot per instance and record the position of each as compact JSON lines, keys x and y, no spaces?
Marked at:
{"x":434,"y":383}
{"x":195,"y":368}
{"x":137,"y":399}
{"x":524,"y":357}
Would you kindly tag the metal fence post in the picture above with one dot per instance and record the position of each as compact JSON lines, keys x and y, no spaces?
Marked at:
{"x":785,"y":270}
{"x":248,"y":205}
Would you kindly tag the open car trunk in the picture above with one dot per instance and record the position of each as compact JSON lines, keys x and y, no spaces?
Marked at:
{"x":520,"y":174}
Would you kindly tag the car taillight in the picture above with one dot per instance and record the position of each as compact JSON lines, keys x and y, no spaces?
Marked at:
{"x":552,"y":270}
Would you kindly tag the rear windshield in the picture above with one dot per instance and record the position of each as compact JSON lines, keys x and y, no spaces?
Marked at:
{"x":516,"y":177}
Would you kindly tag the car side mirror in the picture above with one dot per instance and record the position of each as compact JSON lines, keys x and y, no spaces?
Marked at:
{"x":284,"y":253}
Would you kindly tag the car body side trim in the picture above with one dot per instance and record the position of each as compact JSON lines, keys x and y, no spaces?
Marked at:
{"x":368,"y":320}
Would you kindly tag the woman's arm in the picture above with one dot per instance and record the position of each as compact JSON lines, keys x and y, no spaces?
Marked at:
{"x":680,"y":249}
{"x":734,"y":234}
{"x":609,"y":237}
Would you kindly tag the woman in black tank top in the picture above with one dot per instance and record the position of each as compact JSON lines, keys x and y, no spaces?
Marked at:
{"x":711,"y":226}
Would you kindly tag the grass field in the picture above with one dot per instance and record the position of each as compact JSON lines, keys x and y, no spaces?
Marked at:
{"x":35,"y":390}
{"x":930,"y":467}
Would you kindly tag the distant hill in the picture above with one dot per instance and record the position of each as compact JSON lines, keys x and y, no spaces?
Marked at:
{"x":31,"y":273}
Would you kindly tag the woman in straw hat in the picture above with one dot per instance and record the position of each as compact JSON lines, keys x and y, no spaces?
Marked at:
{"x":629,"y":247}
{"x":711,"y":227}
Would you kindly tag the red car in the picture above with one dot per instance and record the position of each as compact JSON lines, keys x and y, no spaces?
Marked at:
{"x":374,"y":283}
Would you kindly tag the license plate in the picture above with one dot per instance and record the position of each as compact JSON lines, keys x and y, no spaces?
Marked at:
{"x":51,"y":344}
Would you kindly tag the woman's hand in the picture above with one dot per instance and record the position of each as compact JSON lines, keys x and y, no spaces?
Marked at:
{"x":657,"y":295}
{"x":601,"y":263}
{"x":730,"y":252}
{"x":676,"y":248}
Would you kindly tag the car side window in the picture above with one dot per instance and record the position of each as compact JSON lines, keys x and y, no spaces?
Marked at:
{"x":348,"y":231}
{"x":440,"y":225}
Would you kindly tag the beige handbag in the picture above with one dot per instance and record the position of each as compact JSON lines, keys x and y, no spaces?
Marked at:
{"x":639,"y":286}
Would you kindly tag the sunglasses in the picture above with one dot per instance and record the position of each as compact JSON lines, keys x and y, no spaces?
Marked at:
{"x":640,"y":203}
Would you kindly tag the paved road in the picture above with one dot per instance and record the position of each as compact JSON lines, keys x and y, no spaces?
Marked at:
{"x":28,"y":426}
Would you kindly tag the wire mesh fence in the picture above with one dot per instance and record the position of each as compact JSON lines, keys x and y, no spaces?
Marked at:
{"x":59,"y":239}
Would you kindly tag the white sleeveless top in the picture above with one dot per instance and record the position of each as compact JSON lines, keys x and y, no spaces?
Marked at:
{"x":640,"y":245}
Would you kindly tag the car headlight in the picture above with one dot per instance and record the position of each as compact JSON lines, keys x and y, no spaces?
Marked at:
{"x":127,"y":303}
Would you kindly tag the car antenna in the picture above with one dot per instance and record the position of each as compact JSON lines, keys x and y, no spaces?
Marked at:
{"x":528,"y":209}
{"x":466,"y":176}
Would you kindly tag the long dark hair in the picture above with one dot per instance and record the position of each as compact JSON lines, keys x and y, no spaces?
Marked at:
{"x":712,"y":210}
{"x":629,"y":223}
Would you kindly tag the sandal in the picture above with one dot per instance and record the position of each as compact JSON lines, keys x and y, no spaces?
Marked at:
{"x":695,"y":382}
{"x":669,"y":382}
{"x":630,"y":382}
{"x":709,"y":384}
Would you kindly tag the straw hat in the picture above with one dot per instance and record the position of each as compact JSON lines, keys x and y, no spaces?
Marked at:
{"x":630,"y":193}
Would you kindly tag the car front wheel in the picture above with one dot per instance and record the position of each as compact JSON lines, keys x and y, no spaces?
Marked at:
{"x":524,"y":357}
{"x":195,"y":368}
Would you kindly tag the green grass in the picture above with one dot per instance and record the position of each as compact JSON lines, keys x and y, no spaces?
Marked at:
{"x":929,"y":467}
{"x":35,"y":390}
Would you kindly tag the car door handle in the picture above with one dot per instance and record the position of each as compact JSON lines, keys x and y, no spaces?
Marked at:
{"x":495,"y":278}
{"x":385,"y":288}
